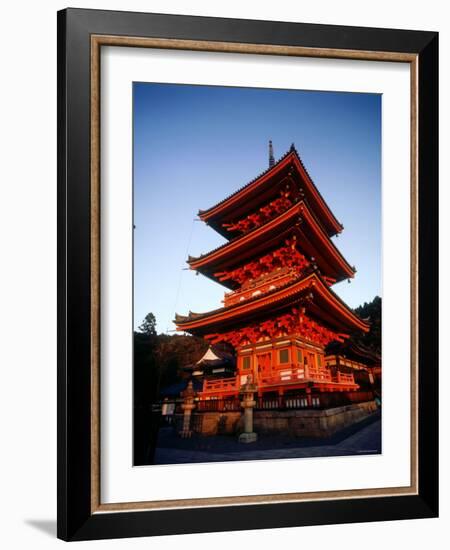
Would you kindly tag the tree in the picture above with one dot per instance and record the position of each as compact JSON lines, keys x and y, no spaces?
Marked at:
{"x":148,"y":325}
{"x":158,"y":362}
{"x":175,"y":352}
{"x":372,"y":312}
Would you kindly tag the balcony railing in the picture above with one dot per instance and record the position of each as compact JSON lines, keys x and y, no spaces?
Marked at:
{"x":295,"y":372}
{"x":292,"y":401}
{"x":291,"y":373}
{"x":262,"y":285}
{"x":320,"y":374}
{"x":343,"y":378}
{"x":219,"y":405}
{"x":221,"y":384}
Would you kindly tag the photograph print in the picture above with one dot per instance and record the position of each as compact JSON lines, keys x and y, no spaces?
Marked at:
{"x":257,"y":274}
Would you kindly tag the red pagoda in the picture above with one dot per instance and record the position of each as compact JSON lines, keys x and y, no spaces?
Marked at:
{"x":278,"y":264}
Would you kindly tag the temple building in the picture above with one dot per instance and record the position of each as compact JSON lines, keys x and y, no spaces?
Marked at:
{"x":280,"y":313}
{"x":364,"y":363}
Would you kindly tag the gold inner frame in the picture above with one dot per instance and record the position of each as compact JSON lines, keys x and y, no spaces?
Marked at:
{"x":97,"y":41}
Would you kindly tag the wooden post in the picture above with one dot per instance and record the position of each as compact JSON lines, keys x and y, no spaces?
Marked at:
{"x":308,"y":397}
{"x":306,"y":367}
{"x":280,"y":398}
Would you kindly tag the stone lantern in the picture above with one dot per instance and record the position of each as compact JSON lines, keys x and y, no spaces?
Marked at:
{"x":248,"y":403}
{"x":187,"y":406}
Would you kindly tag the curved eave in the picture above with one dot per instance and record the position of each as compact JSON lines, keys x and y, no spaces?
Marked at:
{"x":327,"y":305}
{"x":332,"y":309}
{"x":217,"y":212}
{"x":212,"y":261}
{"x":355,"y":351}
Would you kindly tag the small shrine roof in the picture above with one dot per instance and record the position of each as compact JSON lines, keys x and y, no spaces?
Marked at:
{"x":215,"y":357}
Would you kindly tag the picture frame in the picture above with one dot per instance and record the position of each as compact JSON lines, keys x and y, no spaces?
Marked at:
{"x":81,"y":35}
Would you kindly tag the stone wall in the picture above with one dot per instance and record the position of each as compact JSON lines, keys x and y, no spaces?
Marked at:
{"x":214,"y":423}
{"x":311,"y":423}
{"x":294,"y":423}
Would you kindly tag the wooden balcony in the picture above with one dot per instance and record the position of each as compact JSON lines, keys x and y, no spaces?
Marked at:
{"x":343,"y":378}
{"x":221,"y":385}
{"x":263,"y":284}
{"x":297,"y":372}
{"x":288,"y":375}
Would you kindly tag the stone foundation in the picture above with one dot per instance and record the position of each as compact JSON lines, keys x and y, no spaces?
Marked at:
{"x":217,"y":423}
{"x":311,"y":423}
{"x":294,"y":423}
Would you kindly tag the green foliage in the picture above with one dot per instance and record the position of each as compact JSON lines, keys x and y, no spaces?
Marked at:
{"x":177,"y":351}
{"x":146,"y":369}
{"x":157,"y":362}
{"x":148,"y":325}
{"x":372,"y":312}
{"x":159,"y":358}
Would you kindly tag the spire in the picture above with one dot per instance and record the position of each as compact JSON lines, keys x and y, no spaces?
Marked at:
{"x":271,"y":157}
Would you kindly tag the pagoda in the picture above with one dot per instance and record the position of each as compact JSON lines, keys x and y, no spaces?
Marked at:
{"x":278,"y":265}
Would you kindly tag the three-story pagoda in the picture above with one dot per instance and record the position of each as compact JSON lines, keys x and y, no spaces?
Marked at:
{"x":278,"y":264}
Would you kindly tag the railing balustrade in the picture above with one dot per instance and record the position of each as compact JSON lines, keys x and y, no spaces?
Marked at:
{"x":220,"y":384}
{"x":298,"y":371}
{"x":290,"y":401}
{"x":218,"y":405}
{"x":287,"y":374}
{"x":267,"y":403}
{"x":345,"y":378}
{"x":297,"y":402}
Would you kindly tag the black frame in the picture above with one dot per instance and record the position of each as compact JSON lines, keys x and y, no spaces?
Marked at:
{"x":75,"y":521}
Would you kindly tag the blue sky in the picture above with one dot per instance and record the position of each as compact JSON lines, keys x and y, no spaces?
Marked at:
{"x":194,"y":145}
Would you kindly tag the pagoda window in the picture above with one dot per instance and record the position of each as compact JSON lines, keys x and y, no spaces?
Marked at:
{"x":299,"y":356}
{"x":283,"y":356}
{"x":246,"y":362}
{"x":319,"y":360}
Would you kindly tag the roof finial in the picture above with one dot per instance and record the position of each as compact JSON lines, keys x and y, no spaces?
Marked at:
{"x":271,"y":157}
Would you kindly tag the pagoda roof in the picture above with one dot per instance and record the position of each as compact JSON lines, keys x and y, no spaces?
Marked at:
{"x":312,"y":289}
{"x":261,"y":189}
{"x":312,"y":241}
